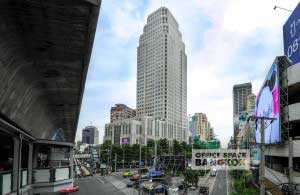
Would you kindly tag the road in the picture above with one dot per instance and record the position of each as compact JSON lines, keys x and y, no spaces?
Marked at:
{"x":221,"y":183}
{"x":94,"y":185}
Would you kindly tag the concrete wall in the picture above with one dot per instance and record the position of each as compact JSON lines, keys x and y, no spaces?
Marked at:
{"x":294,"y":112}
{"x":293,"y":73}
{"x":282,"y":150}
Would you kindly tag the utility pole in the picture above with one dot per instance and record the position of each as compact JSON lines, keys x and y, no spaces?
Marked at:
{"x":262,"y":160}
{"x":146,"y":157}
{"x":262,"y":156}
{"x":115,"y":162}
{"x":140,"y":153}
{"x":155,"y":151}
{"x":123,"y":158}
{"x":110,"y":158}
{"x":107,"y":162}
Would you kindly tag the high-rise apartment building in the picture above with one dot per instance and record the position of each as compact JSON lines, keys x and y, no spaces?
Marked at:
{"x":120,"y":112}
{"x":90,"y":135}
{"x":201,"y":127}
{"x":240,"y":93}
{"x":162,"y":73}
{"x":250,"y":102}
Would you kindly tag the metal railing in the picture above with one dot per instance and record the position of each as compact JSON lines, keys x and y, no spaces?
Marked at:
{"x":24,"y":177}
{"x":46,"y":175}
{"x":5,"y":182}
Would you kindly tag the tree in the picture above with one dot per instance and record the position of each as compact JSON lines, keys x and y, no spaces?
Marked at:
{"x":150,"y":143}
{"x":192,"y":177}
{"x":136,"y":151}
{"x":184,"y":146}
{"x":163,"y":146}
{"x":177,"y":149}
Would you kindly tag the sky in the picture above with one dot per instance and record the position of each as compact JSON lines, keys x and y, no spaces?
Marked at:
{"x":227,"y":42}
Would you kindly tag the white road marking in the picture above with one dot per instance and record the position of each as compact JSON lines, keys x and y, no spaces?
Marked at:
{"x":100,"y":180}
{"x":227,"y":182}
{"x":120,"y":185}
{"x":213,"y":184}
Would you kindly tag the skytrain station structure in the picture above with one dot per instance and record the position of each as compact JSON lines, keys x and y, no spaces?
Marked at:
{"x":45,"y":52}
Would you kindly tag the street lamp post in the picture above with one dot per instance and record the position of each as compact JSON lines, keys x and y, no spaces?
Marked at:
{"x":123,"y":158}
{"x":140,"y":153}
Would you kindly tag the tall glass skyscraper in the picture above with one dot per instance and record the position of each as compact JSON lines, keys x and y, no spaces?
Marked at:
{"x":162,"y":73}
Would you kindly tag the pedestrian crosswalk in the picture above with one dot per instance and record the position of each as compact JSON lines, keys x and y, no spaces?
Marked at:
{"x":121,"y":185}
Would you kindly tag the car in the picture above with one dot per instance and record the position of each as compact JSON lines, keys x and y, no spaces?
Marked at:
{"x":213,"y":172}
{"x":145,"y":176}
{"x":173,"y":189}
{"x":69,"y":190}
{"x":84,"y":171}
{"x":127,"y":174}
{"x":137,"y":184}
{"x":134,"y":184}
{"x":130,"y":184}
{"x":204,"y":190}
{"x":135,"y":177}
{"x":161,"y":188}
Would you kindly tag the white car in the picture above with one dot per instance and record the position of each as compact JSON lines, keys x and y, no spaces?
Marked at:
{"x":213,"y":172}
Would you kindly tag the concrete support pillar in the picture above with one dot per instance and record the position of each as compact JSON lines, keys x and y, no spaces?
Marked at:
{"x":35,"y":155}
{"x":71,"y":163}
{"x":30,"y":156}
{"x":15,"y":164}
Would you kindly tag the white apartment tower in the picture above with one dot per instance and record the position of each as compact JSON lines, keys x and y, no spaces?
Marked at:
{"x":162,"y":73}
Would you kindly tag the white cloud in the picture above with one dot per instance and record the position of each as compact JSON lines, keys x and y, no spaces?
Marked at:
{"x":212,"y":49}
{"x":233,"y":24}
{"x":124,"y":21}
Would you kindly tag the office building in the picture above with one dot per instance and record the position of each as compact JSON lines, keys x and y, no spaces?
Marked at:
{"x":201,"y":127}
{"x":162,"y":73}
{"x":120,"y":112}
{"x":90,"y":135}
{"x":135,"y":131}
{"x":250,"y":105}
{"x":240,"y":93}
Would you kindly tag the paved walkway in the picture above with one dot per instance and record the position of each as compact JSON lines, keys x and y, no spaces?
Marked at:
{"x":94,"y":186}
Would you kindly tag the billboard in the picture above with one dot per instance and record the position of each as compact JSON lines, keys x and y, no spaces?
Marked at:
{"x":125,"y":140}
{"x":203,"y":159}
{"x":267,"y":105}
{"x":291,"y":36}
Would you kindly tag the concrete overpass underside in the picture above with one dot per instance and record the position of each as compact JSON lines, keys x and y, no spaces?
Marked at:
{"x":45,"y":48}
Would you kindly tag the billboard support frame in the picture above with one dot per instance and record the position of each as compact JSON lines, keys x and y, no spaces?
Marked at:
{"x":283,"y":64}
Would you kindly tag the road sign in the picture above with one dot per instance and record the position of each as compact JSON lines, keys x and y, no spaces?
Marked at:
{"x":291,"y":36}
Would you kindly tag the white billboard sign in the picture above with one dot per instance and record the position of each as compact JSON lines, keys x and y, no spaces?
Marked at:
{"x":232,"y":159}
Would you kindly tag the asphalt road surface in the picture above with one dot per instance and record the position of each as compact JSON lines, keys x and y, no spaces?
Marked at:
{"x":221,"y":186}
{"x":94,"y":186}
